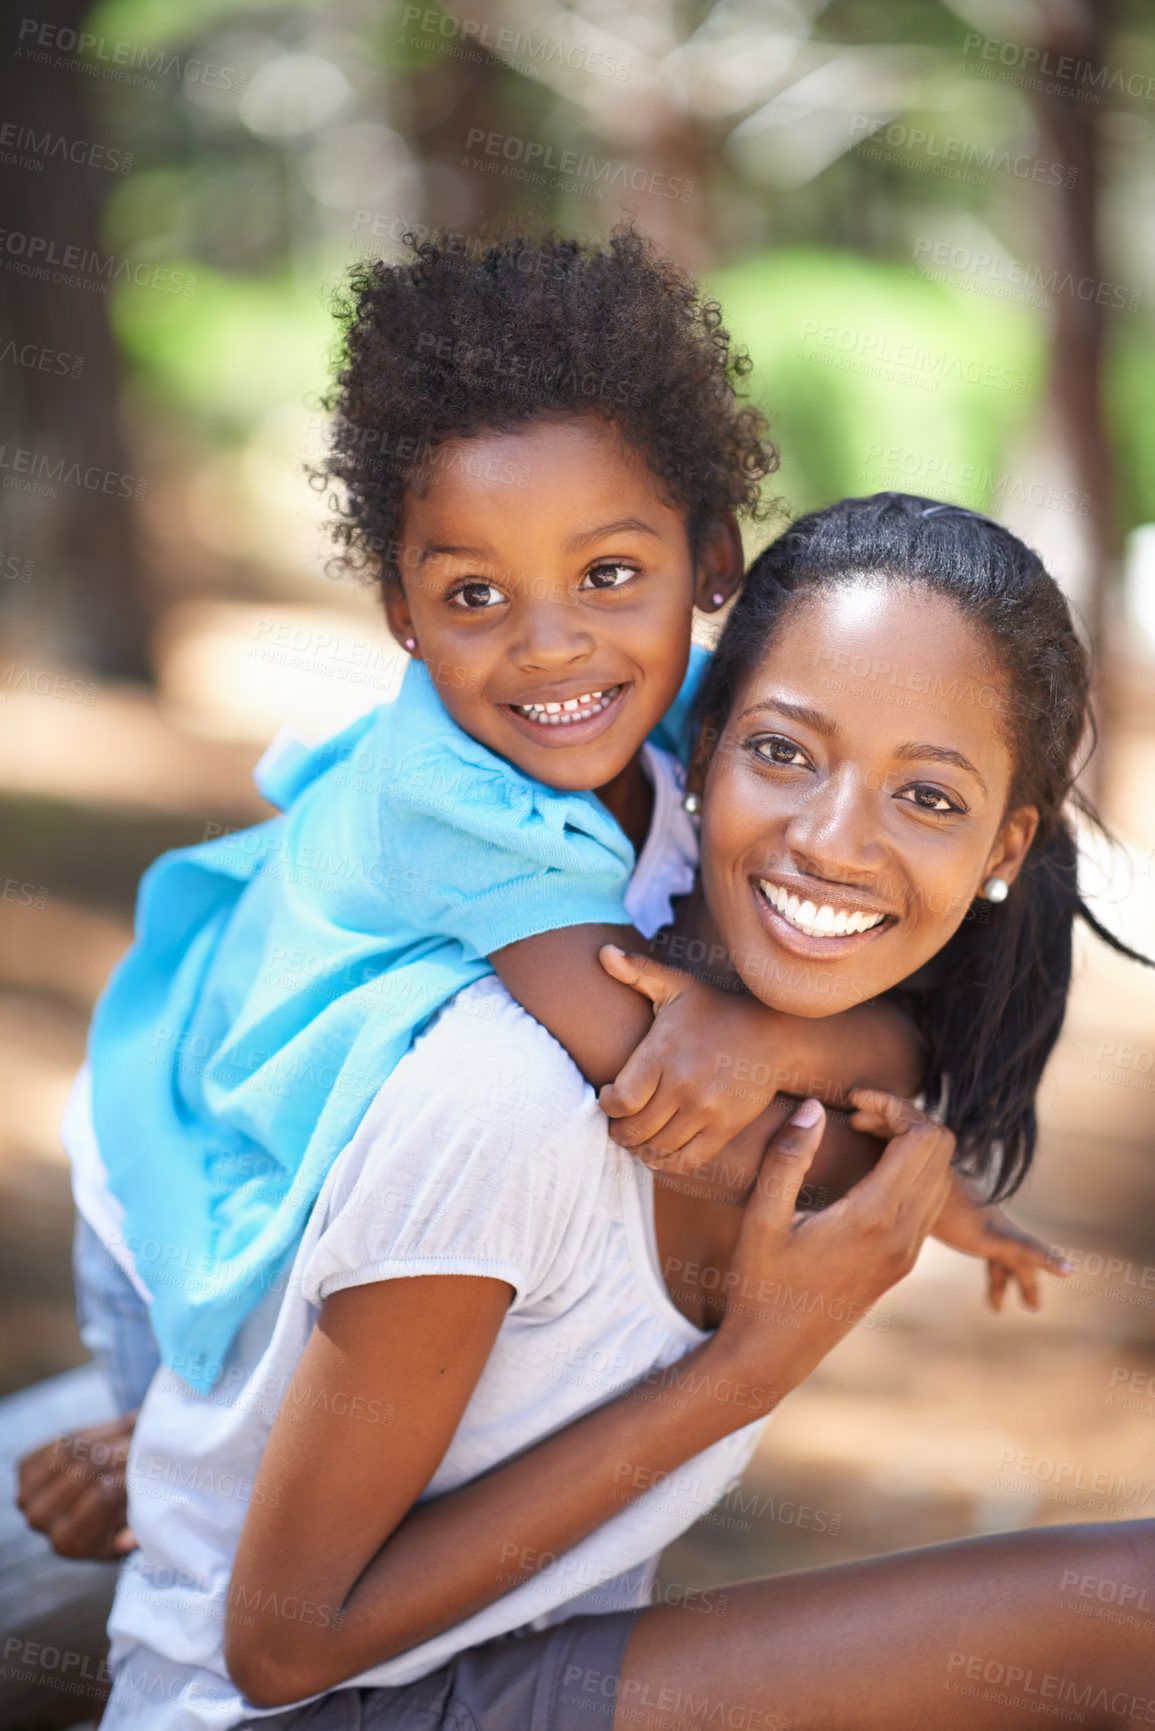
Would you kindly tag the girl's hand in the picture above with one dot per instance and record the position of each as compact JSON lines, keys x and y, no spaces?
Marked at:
{"x":73,"y":1491}
{"x":1010,"y":1253}
{"x":676,"y":1103}
{"x":797,"y":1283}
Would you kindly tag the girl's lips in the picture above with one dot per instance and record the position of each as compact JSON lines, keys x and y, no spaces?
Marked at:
{"x":815,"y":948}
{"x":558,"y":735}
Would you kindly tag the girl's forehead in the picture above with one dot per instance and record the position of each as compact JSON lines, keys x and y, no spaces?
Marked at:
{"x":554,"y":470}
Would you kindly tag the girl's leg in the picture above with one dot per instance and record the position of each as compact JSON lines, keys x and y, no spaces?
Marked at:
{"x":113,"y":1319}
{"x":1055,"y":1625}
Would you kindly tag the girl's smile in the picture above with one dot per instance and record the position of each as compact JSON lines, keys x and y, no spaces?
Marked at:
{"x":549,"y":584}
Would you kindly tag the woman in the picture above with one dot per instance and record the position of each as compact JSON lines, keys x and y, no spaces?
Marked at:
{"x":485,"y":1280}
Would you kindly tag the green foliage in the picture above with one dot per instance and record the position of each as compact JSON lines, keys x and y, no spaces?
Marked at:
{"x":875,"y":378}
{"x":1129,"y":387}
{"x":225,"y":355}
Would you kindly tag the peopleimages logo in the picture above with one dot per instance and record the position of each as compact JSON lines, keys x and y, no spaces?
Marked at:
{"x":56,"y":44}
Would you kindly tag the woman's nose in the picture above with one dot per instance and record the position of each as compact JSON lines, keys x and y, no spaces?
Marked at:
{"x":835,"y":831}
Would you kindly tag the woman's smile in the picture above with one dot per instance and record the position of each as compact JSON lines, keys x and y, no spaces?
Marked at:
{"x":842,"y":828}
{"x":806,"y":917}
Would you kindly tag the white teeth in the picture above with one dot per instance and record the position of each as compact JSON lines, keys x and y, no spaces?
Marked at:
{"x":818,"y":922}
{"x":572,"y":709}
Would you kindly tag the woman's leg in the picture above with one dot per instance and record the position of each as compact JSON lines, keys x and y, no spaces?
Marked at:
{"x":1055,"y":1625}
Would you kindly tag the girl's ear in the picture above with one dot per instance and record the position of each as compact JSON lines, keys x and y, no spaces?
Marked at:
{"x":719,"y":566}
{"x":1012,"y":845}
{"x":400,"y":620}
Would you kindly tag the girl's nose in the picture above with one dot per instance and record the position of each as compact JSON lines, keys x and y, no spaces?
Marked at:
{"x":551,"y":635}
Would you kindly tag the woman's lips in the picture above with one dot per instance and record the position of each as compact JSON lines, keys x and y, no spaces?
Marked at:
{"x":550,"y":725}
{"x":799,"y":924}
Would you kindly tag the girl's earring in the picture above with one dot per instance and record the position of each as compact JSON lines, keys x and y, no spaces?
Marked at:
{"x":410,"y":643}
{"x":692,"y":802}
{"x":996,"y":889}
{"x":717,"y":598}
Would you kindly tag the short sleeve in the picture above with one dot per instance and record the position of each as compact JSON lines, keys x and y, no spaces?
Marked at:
{"x":481,"y":1155}
{"x":501,"y":856}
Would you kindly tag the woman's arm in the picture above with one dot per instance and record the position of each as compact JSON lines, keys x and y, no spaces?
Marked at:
{"x":337,"y":1571}
{"x":691,"y":1077}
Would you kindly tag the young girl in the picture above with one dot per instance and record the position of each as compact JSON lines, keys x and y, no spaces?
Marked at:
{"x":428,"y":1488}
{"x":542,"y":453}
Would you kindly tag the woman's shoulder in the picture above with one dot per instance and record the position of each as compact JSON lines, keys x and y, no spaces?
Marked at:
{"x":484,"y":1152}
{"x":483,"y":1043}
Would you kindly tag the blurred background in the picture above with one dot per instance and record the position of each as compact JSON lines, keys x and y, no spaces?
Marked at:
{"x":930,"y":223}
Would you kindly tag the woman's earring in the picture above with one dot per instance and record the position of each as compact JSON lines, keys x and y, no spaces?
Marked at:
{"x":410,"y":643}
{"x":717,"y":598}
{"x":996,"y":889}
{"x":692,"y":802}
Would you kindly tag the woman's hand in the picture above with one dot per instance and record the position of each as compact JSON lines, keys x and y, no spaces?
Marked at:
{"x":797,"y":1283}
{"x":985,"y":1230}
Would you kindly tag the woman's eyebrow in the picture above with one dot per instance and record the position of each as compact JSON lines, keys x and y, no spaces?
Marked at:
{"x":624,"y":524}
{"x":914,"y":751}
{"x":797,"y":712}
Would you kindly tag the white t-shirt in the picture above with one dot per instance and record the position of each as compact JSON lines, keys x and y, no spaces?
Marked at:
{"x":485,"y":1153}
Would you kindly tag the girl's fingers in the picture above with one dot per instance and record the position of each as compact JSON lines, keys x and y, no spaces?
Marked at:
{"x":996,"y":1284}
{"x":893,"y":1115}
{"x":124,"y":1542}
{"x":634,"y":1086}
{"x":654,"y":980}
{"x":655,"y":1122}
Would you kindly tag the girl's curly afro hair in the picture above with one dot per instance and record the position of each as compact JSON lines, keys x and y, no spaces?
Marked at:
{"x":458,"y":340}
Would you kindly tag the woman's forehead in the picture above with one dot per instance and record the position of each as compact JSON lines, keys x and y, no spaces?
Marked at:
{"x":875,"y":658}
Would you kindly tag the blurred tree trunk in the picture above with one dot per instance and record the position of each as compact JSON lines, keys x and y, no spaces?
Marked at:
{"x":86,"y":603}
{"x":1069,"y":135}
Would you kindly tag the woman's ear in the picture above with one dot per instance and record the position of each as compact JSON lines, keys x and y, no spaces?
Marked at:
{"x":719,"y":565}
{"x":1012,"y":845}
{"x":399,"y":619}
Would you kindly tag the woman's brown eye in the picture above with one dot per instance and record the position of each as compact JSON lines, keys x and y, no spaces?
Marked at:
{"x":781,"y":751}
{"x":932,"y":799}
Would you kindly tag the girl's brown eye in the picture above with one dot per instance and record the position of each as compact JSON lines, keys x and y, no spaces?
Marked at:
{"x":477,"y":595}
{"x":610,"y":574}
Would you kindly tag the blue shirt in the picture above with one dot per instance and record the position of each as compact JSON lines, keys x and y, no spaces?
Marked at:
{"x":279,"y":973}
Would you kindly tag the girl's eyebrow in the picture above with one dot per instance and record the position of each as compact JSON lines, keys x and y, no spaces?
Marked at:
{"x":437,"y":550}
{"x":624,"y":524}
{"x":912,"y":752}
